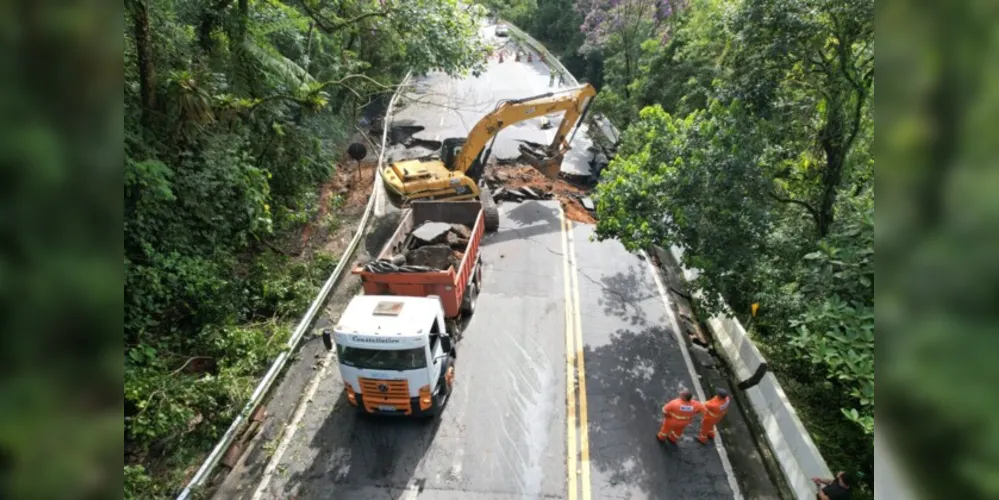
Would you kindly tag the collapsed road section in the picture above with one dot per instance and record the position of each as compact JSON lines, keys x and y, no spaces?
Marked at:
{"x":518,"y":182}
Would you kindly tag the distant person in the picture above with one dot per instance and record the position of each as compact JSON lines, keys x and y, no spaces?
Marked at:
{"x":837,"y":488}
{"x":551,"y":76}
{"x":714,"y":410}
{"x":677,"y":415}
{"x":561,"y":79}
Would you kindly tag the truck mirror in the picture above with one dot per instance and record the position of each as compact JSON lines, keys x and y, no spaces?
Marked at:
{"x":327,"y":339}
{"x":446,"y":343}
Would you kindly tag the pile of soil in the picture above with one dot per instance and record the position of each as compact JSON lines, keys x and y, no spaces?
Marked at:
{"x":567,"y":192}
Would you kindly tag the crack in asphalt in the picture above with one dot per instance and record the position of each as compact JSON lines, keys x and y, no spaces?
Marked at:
{"x":519,"y":233}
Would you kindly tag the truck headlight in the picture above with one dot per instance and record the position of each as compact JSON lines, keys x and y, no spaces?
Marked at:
{"x":351,"y":397}
{"x":426,"y":400}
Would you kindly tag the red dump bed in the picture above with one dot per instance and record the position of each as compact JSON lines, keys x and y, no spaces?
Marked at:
{"x":449,"y":285}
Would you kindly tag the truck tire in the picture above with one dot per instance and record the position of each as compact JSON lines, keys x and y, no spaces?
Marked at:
{"x":470,"y":299}
{"x":444,"y":393}
{"x":490,"y":213}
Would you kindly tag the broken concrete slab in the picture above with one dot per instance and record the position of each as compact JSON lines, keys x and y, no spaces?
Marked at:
{"x":702,"y":356}
{"x":435,"y":256}
{"x":431,"y":232}
{"x":461,"y":230}
{"x":587,"y":203}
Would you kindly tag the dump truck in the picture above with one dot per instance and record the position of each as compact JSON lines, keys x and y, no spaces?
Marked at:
{"x":434,"y":251}
{"x":396,"y":344}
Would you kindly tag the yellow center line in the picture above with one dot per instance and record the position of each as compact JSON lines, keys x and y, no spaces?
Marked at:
{"x":570,"y":387}
{"x":584,"y":434}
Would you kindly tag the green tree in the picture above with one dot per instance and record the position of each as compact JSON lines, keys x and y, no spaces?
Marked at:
{"x":236,"y":111}
{"x":753,"y":154}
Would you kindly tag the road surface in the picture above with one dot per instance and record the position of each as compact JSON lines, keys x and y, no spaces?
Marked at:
{"x":561,"y":372}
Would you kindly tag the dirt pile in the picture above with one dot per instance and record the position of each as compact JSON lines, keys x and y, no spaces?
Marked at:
{"x":434,"y":246}
{"x":568,"y":193}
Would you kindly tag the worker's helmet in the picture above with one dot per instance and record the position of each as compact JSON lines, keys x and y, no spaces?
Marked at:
{"x":722,"y":393}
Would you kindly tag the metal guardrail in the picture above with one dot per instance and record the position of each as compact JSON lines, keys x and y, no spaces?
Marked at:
{"x":303,"y":325}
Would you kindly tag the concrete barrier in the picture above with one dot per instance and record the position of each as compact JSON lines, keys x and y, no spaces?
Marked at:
{"x":787,"y":437}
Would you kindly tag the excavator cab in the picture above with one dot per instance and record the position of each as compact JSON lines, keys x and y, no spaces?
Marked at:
{"x":450,"y":150}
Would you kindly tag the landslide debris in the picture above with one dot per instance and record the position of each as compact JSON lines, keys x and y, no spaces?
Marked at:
{"x":519,"y":182}
{"x":433,"y":246}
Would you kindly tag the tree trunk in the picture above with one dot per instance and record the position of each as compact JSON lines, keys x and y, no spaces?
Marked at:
{"x":144,"y":58}
{"x":832,"y":175}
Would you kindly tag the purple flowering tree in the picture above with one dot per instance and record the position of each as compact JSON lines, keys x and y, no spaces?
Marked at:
{"x":623,"y":23}
{"x":617,"y":30}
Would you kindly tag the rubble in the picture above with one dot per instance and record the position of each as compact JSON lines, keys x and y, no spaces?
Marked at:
{"x":518,"y":183}
{"x":432,"y":232}
{"x":434,"y":256}
{"x":433,"y":246}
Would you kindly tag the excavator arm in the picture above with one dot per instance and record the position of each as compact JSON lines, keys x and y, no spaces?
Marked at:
{"x":574,"y":103}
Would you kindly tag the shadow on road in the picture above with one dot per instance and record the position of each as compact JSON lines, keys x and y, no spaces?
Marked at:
{"x":359,"y":456}
{"x":526,"y":219}
{"x":629,"y":379}
{"x":624,"y":293}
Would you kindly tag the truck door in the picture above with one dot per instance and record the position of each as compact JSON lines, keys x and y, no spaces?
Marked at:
{"x":437,"y":354}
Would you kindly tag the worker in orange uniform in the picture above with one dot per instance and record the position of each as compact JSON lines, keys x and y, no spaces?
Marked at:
{"x":714,"y":410}
{"x":677,"y":415}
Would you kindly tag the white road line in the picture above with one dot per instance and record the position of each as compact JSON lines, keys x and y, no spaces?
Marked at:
{"x":726,"y":464}
{"x":292,"y":426}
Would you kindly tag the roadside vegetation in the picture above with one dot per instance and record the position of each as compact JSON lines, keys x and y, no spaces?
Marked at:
{"x":747,"y":140}
{"x":237,"y":111}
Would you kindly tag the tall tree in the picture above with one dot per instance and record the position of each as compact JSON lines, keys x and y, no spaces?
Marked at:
{"x":808,"y":65}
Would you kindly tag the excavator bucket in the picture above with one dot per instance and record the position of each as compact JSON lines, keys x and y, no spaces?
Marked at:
{"x":538,"y":156}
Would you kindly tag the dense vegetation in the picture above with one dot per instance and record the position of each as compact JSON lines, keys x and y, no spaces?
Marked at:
{"x":747,"y":135}
{"x":236,"y":112}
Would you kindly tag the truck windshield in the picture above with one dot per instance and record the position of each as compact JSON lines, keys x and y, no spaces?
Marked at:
{"x":382,"y":359}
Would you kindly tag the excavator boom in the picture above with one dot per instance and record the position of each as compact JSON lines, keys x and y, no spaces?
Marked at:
{"x":455,"y":175}
{"x":573,"y":102}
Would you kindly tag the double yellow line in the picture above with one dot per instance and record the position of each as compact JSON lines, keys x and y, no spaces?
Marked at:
{"x":577,"y":453}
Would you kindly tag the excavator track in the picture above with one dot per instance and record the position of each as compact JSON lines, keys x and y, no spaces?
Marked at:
{"x":490,"y":213}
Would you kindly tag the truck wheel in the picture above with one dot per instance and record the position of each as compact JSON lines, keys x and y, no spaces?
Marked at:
{"x":490,"y":213}
{"x":454,"y":329}
{"x":471,"y":297}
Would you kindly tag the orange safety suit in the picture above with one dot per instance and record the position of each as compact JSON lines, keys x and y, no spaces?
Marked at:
{"x":714,"y":410}
{"x":677,"y":415}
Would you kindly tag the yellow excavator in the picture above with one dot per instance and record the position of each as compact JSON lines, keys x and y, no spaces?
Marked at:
{"x":455,"y":176}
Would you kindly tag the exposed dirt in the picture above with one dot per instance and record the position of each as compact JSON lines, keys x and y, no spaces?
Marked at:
{"x":567,"y":192}
{"x":353,"y":188}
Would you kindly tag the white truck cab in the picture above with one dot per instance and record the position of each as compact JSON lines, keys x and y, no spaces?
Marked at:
{"x":394,"y":354}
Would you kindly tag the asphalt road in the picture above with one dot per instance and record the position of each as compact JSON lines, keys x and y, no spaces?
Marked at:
{"x":503,"y":433}
{"x":561,"y":372}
